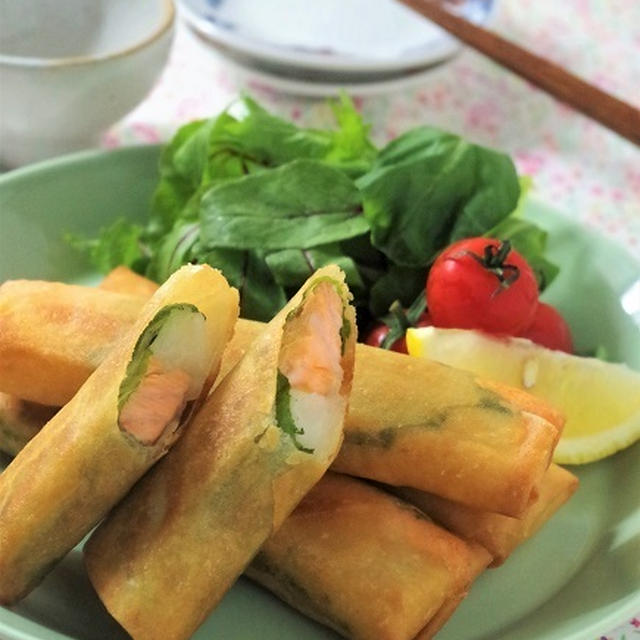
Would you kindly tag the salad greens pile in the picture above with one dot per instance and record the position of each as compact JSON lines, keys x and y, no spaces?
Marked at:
{"x":269,"y":202}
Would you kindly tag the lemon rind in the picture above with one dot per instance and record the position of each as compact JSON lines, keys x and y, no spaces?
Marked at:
{"x":584,"y":449}
{"x":575,"y":450}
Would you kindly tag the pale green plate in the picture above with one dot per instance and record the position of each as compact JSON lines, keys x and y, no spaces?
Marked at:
{"x":578,"y":578}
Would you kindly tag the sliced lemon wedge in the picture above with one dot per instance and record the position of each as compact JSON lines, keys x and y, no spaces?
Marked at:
{"x":601,"y":400}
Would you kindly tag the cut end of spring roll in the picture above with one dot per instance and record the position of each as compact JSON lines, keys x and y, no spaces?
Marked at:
{"x":264,"y":436}
{"x":526,"y":402}
{"x":98,"y":445}
{"x":164,"y":373}
{"x":365,"y":563}
{"x":310,"y":372}
{"x":497,"y":533}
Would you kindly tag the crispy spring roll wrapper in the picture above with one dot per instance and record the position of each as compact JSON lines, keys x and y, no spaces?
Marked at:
{"x":419,"y":423}
{"x":54,"y":335}
{"x":20,"y":421}
{"x":167,"y":554}
{"x":365,"y":563}
{"x":415,"y":423}
{"x":497,"y":533}
{"x":123,"y":418}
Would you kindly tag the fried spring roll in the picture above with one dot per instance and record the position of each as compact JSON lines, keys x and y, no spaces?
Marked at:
{"x":54,"y":335}
{"x":414,"y":423}
{"x":123,"y":418}
{"x":264,"y":437}
{"x":422,"y":424}
{"x":20,"y":421}
{"x":497,"y":533}
{"x":365,"y":563}
{"x":123,"y":280}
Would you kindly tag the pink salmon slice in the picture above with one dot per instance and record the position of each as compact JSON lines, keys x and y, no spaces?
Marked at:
{"x":158,"y":400}
{"x":312,"y":351}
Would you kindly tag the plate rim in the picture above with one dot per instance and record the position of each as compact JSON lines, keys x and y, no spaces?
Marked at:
{"x":607,"y":624}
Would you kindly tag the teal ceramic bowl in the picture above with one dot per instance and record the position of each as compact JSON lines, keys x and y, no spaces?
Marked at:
{"x":575,"y":580}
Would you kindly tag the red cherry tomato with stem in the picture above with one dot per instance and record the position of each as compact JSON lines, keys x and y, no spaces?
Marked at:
{"x":549,"y":329}
{"x":481,"y":283}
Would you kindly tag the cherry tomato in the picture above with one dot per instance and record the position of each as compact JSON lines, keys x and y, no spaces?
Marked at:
{"x":481,"y":283}
{"x":549,"y":329}
{"x":376,"y":336}
{"x":379,"y":333}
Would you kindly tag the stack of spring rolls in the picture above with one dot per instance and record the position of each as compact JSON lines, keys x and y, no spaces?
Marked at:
{"x":411,"y":443}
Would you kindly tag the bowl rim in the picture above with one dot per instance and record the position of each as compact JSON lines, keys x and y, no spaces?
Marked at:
{"x":166,"y":23}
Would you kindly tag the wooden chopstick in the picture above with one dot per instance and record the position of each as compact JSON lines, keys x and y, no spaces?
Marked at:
{"x":606,"y":109}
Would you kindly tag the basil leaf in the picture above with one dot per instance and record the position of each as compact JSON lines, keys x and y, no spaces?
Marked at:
{"x":137,"y":366}
{"x":300,"y":205}
{"x":428,"y":188}
{"x":284,"y":417}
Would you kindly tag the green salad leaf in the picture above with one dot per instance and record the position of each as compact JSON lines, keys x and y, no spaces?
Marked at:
{"x":248,"y":129}
{"x":261,"y":297}
{"x":179,"y":246}
{"x":429,"y":188}
{"x":398,"y":283}
{"x":182,"y":165}
{"x":246,"y":138}
{"x":269,"y":202}
{"x":291,"y":266}
{"x":117,"y":244}
{"x":301,"y":205}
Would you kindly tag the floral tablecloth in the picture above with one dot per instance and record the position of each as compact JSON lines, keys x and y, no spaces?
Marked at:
{"x":585,"y":171}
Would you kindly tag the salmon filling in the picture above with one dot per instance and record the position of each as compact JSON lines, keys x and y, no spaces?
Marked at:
{"x":311,"y":361}
{"x":312,"y":345}
{"x":158,"y":401}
